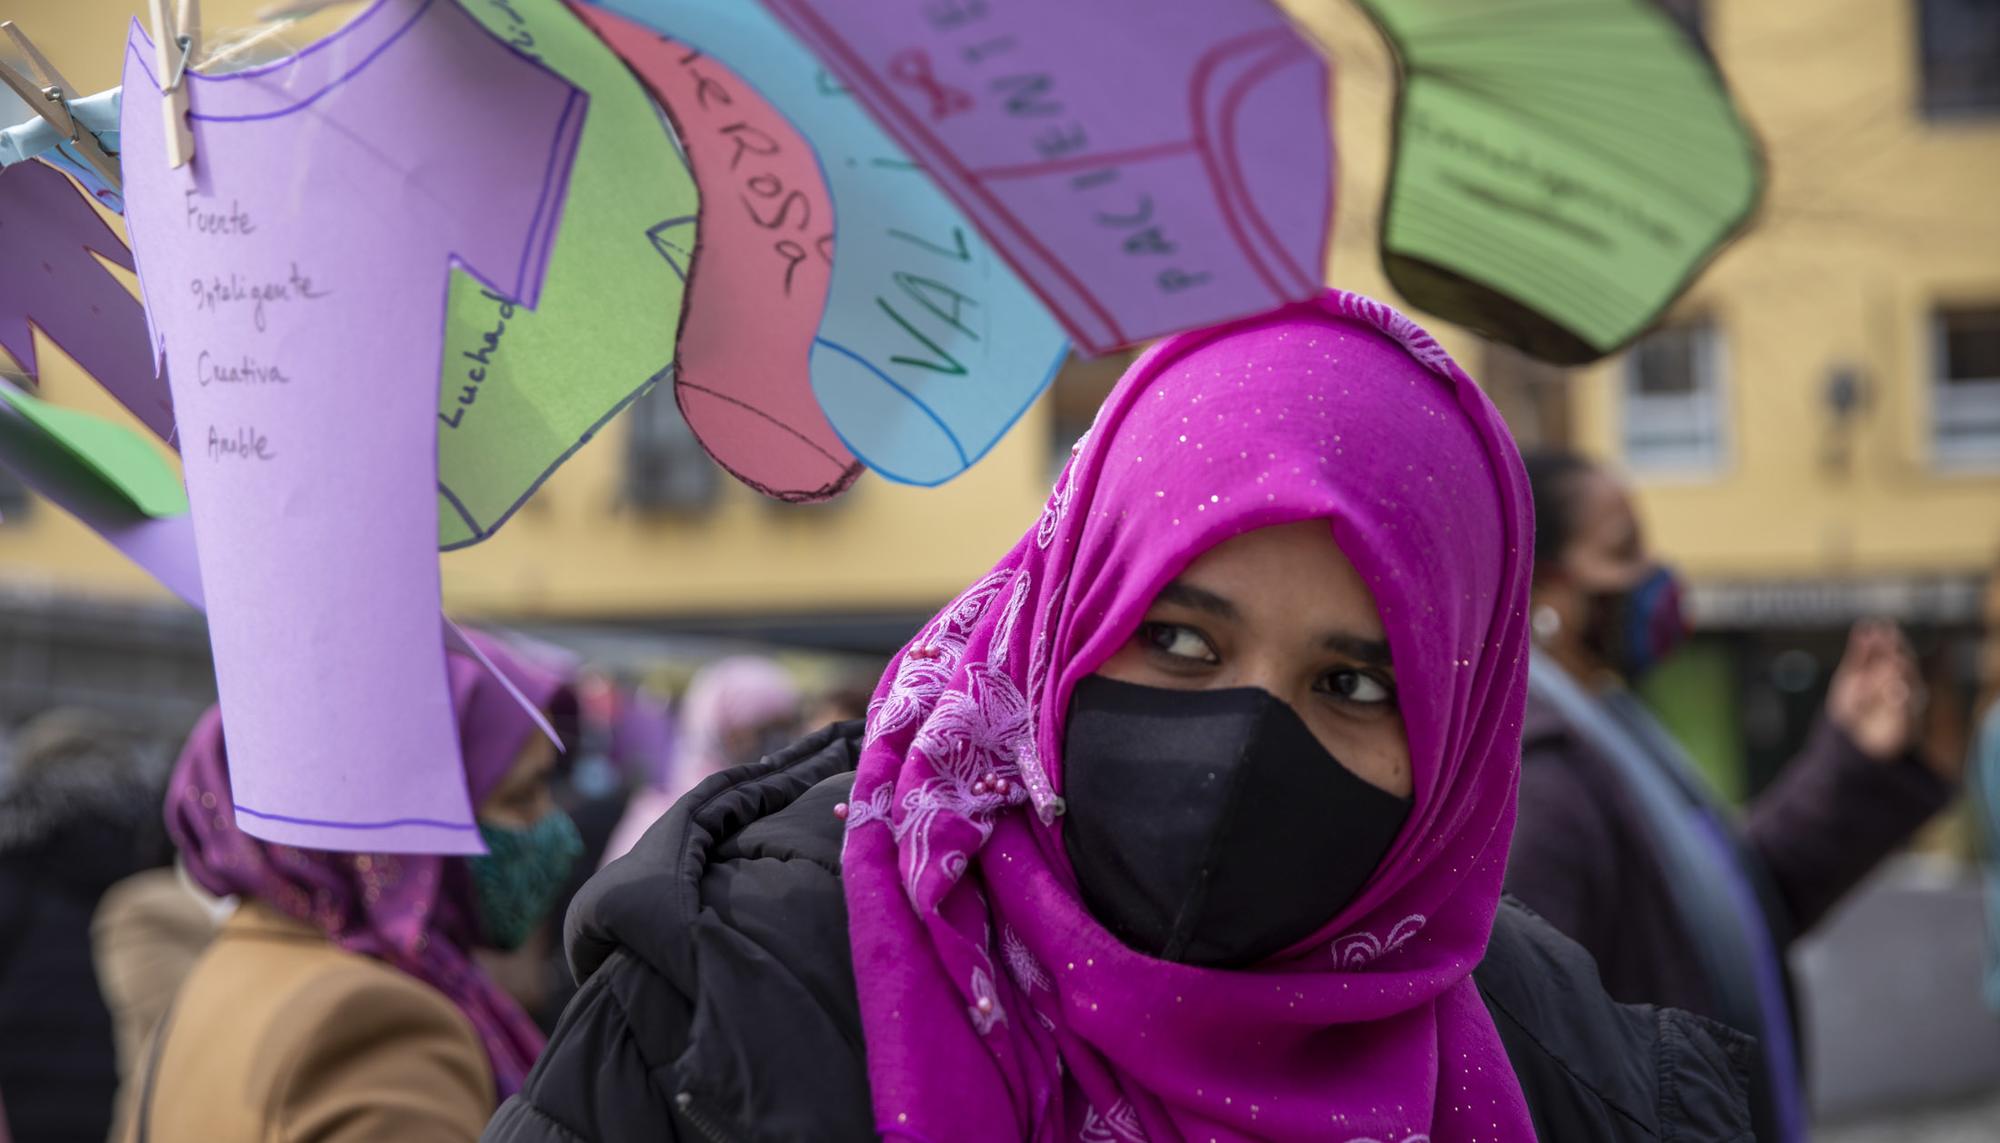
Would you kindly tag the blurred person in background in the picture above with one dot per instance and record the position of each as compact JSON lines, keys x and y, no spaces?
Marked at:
{"x":1186,"y":821}
{"x":622,"y":731}
{"x":340,"y":1000}
{"x":1621,"y":843}
{"x":149,"y":930}
{"x":846,"y":699}
{"x":735,"y":711}
{"x":1985,"y":773}
{"x":77,"y":813}
{"x":147,"y":934}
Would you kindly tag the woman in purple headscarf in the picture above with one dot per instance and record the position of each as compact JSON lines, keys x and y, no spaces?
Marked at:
{"x":1187,"y":821}
{"x":341,"y":1000}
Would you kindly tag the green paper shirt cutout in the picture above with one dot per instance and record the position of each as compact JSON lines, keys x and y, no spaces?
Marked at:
{"x":119,"y":457}
{"x":520,"y":390}
{"x":1561,"y":173}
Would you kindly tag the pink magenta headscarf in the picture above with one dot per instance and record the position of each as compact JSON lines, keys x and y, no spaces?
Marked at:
{"x":412,"y":911}
{"x":994,"y":1006}
{"x":728,"y":696}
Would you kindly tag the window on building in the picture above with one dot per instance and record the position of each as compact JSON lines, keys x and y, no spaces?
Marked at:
{"x":1673,"y":409}
{"x":665,"y":467}
{"x":1079,"y":388}
{"x":1965,"y":403}
{"x":1960,"y":42}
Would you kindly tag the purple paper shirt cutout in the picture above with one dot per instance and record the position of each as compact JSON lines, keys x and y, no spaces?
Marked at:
{"x":49,"y":280}
{"x":1147,"y":167}
{"x":305,"y":253}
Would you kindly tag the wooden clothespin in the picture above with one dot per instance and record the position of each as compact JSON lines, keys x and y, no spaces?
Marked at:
{"x":176,"y":39}
{"x":47,"y":93}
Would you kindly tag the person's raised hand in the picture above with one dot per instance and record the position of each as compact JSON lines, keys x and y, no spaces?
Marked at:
{"x":1875,"y":694}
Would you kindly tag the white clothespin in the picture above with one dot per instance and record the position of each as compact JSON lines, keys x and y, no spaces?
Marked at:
{"x":47,"y":93}
{"x":176,"y":39}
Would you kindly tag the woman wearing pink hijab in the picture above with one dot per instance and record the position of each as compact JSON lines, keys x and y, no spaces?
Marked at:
{"x":1187,"y":821}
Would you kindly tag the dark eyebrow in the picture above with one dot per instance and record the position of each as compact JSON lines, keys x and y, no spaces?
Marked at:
{"x":1200,"y":599}
{"x":1368,"y":652}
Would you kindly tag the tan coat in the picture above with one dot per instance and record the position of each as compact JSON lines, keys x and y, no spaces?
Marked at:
{"x":279,"y":1035}
{"x":148,"y":932}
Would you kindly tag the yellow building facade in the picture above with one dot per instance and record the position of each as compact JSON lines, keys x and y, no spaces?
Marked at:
{"x":1819,"y":330}
{"x":1877,"y":219}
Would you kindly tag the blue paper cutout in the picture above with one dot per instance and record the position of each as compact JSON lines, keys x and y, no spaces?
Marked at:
{"x":930,"y":348}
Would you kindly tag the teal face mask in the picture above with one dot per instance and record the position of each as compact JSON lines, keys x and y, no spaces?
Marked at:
{"x":518,"y":877}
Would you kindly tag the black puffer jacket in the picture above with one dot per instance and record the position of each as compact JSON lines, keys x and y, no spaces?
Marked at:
{"x":718,"y":1001}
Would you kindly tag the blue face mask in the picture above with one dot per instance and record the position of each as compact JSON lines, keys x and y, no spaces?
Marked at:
{"x":519,"y":875}
{"x":1639,"y":628}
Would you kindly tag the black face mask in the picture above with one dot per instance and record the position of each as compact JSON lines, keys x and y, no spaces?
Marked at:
{"x":1211,"y":827}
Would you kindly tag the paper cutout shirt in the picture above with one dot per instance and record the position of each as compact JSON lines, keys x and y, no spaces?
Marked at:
{"x":48,"y":279}
{"x":1559,"y":180}
{"x":39,"y":444}
{"x":1148,"y":167}
{"x":295,"y":275}
{"x":521,"y":391}
{"x":758,"y":291}
{"x":930,"y":347}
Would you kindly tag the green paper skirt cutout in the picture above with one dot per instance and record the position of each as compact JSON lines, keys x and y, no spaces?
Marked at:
{"x":118,"y":458}
{"x":1562,"y":169}
{"x":520,"y":390}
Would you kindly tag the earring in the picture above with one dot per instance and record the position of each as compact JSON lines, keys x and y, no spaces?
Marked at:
{"x":1546,"y":622}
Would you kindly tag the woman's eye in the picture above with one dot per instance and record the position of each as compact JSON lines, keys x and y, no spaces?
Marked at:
{"x":1178,"y":641}
{"x":1360,"y":688}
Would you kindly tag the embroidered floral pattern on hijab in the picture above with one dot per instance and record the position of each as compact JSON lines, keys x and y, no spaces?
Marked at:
{"x":1338,"y":409}
{"x":928,"y":663}
{"x":1120,"y":1124}
{"x":1357,"y":950}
